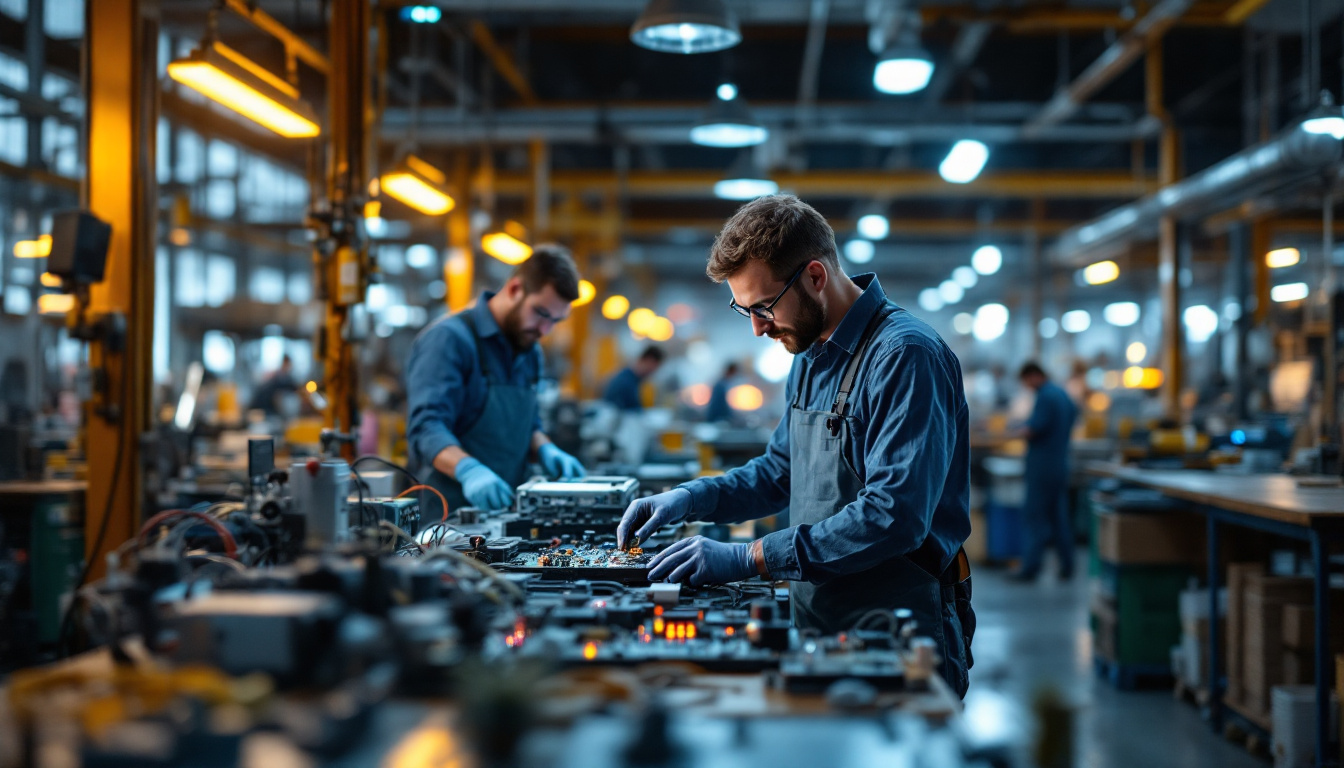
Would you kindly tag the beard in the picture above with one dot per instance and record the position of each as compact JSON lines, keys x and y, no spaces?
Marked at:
{"x":520,"y":338}
{"x":807,"y":327}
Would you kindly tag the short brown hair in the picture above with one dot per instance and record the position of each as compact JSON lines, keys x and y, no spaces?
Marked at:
{"x":550,"y":264}
{"x":780,"y":230}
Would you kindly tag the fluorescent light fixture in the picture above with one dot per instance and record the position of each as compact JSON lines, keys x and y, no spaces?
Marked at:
{"x":859,"y":251}
{"x":726,"y":91}
{"x":744,"y":189}
{"x":419,"y":185}
{"x":508,"y":245}
{"x":231,"y":79}
{"x":965,"y":277}
{"x":1201,"y":322}
{"x":1077,"y":321}
{"x":964,"y":162}
{"x":874,"y":226}
{"x":930,"y":300}
{"x":1289,"y":292}
{"x":587,"y":292}
{"x":615,"y":307}
{"x":33,"y":249}
{"x":1048,"y":327}
{"x":50,"y":281}
{"x":1121,"y":314}
{"x":686,"y":26}
{"x":1101,"y":272}
{"x":905,"y":66}
{"x":963,"y":322}
{"x":55,"y":303}
{"x":1136,"y":352}
{"x":987,"y":259}
{"x":1282,"y":257}
{"x":728,"y":123}
{"x":950,"y":292}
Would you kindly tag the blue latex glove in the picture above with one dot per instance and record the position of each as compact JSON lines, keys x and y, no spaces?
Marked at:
{"x":482,"y":487}
{"x":559,"y":463}
{"x":645,"y":516}
{"x":701,"y":562}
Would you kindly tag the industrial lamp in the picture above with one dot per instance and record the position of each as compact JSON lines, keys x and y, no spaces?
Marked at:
{"x":1325,"y":118}
{"x":904,"y":66}
{"x":509,"y":244}
{"x":728,"y":123}
{"x":744,"y":181}
{"x":231,"y":79}
{"x":419,"y":185}
{"x":686,"y":26}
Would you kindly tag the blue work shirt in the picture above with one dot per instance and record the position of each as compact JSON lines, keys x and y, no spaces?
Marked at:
{"x":623,"y":391}
{"x":719,"y":409}
{"x":1050,"y":426}
{"x":445,"y":387}
{"x":911,"y":451}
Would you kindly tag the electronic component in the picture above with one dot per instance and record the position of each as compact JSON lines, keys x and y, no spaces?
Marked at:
{"x":584,"y":562}
{"x":594,"y":493}
{"x":320,"y":489}
{"x":402,"y":512}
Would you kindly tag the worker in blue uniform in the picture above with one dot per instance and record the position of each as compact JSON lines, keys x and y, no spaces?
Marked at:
{"x":471,"y":379}
{"x":719,"y":409}
{"x":1045,"y":510}
{"x":871,"y":458}
{"x":623,"y":389}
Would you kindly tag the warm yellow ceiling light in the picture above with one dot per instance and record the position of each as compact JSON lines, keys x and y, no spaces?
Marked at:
{"x":50,"y":281}
{"x":33,"y":249}
{"x":1282,"y":257}
{"x":615,"y":307}
{"x":587,"y":291}
{"x":660,"y":329}
{"x":419,"y":185}
{"x":509,"y":246}
{"x":55,"y":303}
{"x":641,"y":320}
{"x":231,"y":79}
{"x":745,"y":397}
{"x":1136,"y":352}
{"x":1101,"y":272}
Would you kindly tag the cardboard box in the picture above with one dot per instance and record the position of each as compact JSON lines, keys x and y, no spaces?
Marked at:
{"x":1150,"y":539}
{"x":1262,"y":660}
{"x":1237,"y":574}
{"x":1299,"y":624}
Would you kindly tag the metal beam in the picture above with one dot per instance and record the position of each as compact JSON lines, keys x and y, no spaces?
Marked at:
{"x":1112,"y":63}
{"x":502,"y":62}
{"x":965,"y":49}
{"x":1173,"y":239}
{"x":294,"y":44}
{"x":807,"y":79}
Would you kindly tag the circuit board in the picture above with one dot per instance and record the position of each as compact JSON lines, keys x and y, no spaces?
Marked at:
{"x":597,"y":563}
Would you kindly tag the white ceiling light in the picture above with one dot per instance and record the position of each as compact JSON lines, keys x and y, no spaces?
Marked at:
{"x":965,"y":277}
{"x":904,"y":67}
{"x":874,"y":226}
{"x":728,"y":123}
{"x":686,"y":26}
{"x":744,"y":188}
{"x":1325,"y":118}
{"x":1121,"y":314}
{"x":993,"y":314}
{"x":726,"y":91}
{"x":964,"y":162}
{"x":1076,"y":321}
{"x":1289,"y":292}
{"x":1201,"y":322}
{"x":859,"y":251}
{"x":963,"y":323}
{"x":1136,"y":352}
{"x":950,"y":292}
{"x":1048,"y":328}
{"x":929,"y":300}
{"x":987,"y":259}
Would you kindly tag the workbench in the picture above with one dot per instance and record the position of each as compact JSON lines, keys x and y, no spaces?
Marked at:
{"x":1278,"y":504}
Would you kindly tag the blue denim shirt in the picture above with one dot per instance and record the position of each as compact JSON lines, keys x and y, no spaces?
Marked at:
{"x":445,"y":387}
{"x":623,"y":391}
{"x":1050,"y":424}
{"x":912,"y":452}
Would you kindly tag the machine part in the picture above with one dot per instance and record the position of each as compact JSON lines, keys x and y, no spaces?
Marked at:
{"x":260,"y":460}
{"x":320,"y":489}
{"x":402,"y":512}
{"x":594,"y":493}
{"x":665,"y":594}
{"x":598,"y":563}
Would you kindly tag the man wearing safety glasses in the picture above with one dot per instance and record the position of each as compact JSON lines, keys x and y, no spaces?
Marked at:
{"x":471,"y":385}
{"x":871,"y":459}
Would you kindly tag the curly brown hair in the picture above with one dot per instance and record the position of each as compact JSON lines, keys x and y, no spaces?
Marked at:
{"x":780,"y":230}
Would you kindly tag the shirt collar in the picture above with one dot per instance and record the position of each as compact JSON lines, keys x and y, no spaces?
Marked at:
{"x":850,"y":330}
{"x":483,"y":318}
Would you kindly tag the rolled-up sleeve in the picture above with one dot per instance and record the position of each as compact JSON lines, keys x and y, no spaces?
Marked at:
{"x":907,"y":442}
{"x":435,"y":391}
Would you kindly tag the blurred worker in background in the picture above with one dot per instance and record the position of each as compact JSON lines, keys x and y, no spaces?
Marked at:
{"x":1045,"y":510}
{"x":719,"y":409}
{"x":623,"y":389}
{"x":471,"y":381}
{"x":872,"y":459}
{"x":267,"y":396}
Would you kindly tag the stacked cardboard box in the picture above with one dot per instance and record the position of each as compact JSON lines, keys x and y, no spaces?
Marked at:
{"x":1299,"y":638}
{"x":1237,"y":576}
{"x":1264,"y":602}
{"x":1149,"y":538}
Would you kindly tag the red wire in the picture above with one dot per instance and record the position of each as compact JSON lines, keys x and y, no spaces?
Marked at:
{"x":230,"y":544}
{"x":436,"y":493}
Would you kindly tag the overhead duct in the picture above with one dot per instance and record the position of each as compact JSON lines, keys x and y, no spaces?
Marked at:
{"x":1293,"y":156}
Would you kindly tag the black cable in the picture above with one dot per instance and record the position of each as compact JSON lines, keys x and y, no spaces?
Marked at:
{"x":360,"y":485}
{"x":372,"y":457}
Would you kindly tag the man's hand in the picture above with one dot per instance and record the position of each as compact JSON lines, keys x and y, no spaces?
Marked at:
{"x":483,"y":488}
{"x":700,"y":562}
{"x":645,"y":516}
{"x":559,"y":463}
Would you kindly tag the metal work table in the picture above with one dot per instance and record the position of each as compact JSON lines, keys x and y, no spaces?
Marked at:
{"x":1276,"y":504}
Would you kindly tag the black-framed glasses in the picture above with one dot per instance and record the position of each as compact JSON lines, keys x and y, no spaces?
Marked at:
{"x":766,"y":313}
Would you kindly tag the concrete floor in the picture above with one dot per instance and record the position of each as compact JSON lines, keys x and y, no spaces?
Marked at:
{"x":1034,"y":635}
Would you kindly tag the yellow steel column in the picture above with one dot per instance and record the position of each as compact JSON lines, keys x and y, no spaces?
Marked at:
{"x":1168,"y":249}
{"x":120,"y":189}
{"x":459,"y":270}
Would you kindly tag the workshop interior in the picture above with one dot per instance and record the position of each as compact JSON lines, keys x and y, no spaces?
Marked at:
{"x":685,"y":383}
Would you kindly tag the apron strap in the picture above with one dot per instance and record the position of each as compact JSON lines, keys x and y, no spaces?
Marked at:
{"x":480,"y":351}
{"x":841,"y":404}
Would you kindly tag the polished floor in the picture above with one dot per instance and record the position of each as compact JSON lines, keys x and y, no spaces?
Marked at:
{"x":1032,"y":637}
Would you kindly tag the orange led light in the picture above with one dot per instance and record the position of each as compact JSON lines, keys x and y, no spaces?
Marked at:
{"x":590,"y":651}
{"x":729,"y":631}
{"x":657,"y":610}
{"x":671,"y":633}
{"x":690,"y":632}
{"x":658,"y":626}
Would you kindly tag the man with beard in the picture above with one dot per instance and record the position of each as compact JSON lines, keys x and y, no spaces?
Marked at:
{"x":471,"y":383}
{"x":871,"y":459}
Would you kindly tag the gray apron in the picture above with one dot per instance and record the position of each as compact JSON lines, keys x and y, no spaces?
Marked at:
{"x":500,"y":438}
{"x":821,"y":484}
